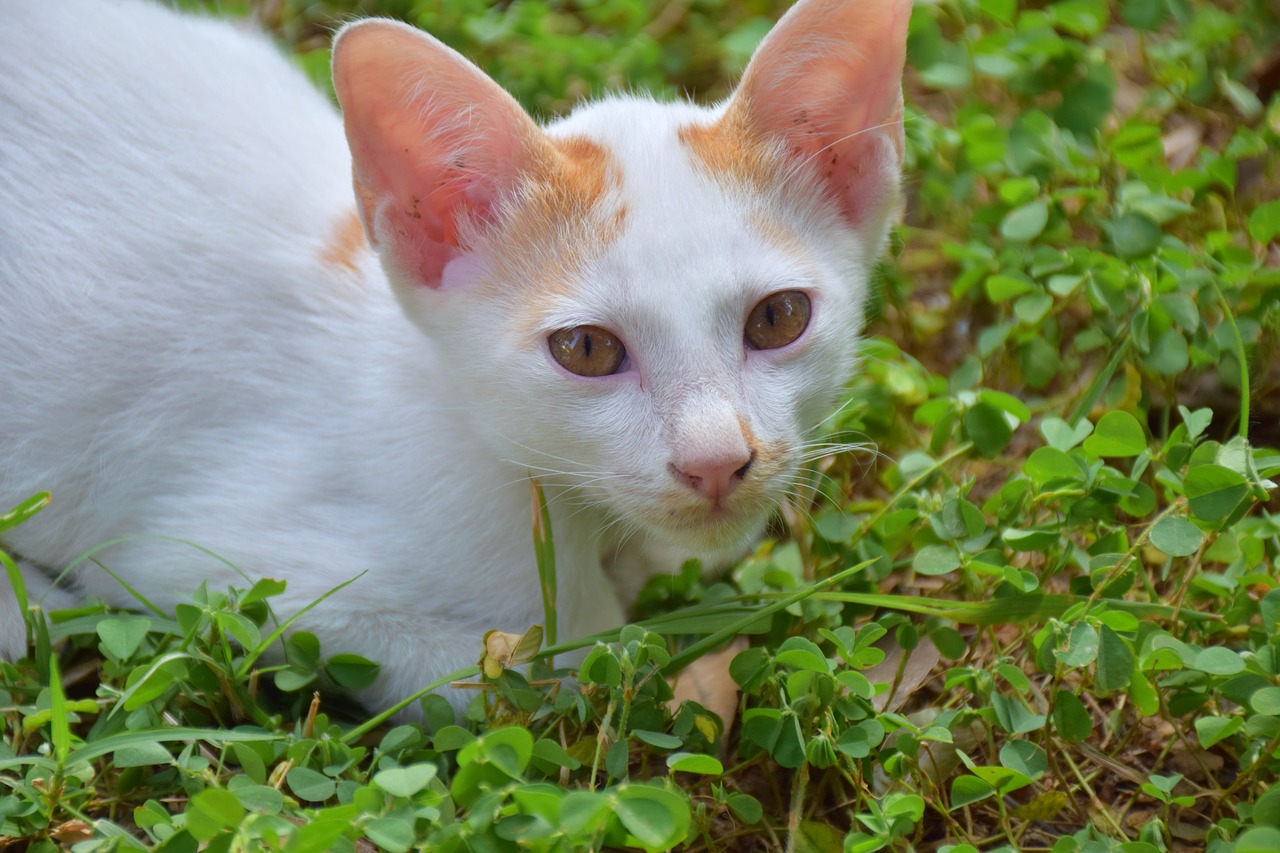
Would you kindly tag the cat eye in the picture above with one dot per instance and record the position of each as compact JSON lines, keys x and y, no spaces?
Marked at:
{"x":587,"y":350}
{"x":777,"y":320}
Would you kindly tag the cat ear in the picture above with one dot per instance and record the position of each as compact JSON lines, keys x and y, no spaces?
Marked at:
{"x":435,"y":143}
{"x":827,"y":83}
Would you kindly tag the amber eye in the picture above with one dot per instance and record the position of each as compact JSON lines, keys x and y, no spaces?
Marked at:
{"x":587,"y":350}
{"x":778,"y":320}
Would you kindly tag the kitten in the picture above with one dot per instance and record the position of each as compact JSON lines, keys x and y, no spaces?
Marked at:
{"x":205,"y":335}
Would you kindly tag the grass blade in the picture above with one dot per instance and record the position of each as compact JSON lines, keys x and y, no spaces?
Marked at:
{"x":19,"y":593}
{"x":23,"y":511}
{"x":252,"y":656}
{"x":544,"y":549}
{"x":110,"y":744}
{"x":683,"y":658}
{"x":59,"y":725}
{"x":377,"y":720}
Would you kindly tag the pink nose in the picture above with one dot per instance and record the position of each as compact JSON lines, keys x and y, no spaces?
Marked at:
{"x":714,"y":478}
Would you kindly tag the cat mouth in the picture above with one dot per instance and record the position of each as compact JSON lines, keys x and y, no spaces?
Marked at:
{"x":690,"y":518}
{"x":715,"y":525}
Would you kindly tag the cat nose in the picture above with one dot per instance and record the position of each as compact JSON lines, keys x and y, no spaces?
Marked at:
{"x":714,"y":477}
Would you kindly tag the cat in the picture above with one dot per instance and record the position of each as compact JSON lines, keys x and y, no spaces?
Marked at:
{"x":205,"y":334}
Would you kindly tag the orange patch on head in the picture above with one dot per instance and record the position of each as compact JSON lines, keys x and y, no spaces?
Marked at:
{"x":580,"y":174}
{"x":345,"y":243}
{"x":776,"y":231}
{"x":732,"y":148}
{"x":558,"y":219}
{"x":733,"y":151}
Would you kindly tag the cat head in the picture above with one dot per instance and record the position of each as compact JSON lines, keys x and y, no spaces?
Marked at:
{"x":651,"y":305}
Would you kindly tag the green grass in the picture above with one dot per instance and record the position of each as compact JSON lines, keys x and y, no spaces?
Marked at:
{"x":1044,"y":616}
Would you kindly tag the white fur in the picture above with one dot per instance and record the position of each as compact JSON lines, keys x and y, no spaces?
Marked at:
{"x":176,"y":359}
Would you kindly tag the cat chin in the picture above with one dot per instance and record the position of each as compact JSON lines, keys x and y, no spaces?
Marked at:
{"x":700,"y":533}
{"x":691,"y":526}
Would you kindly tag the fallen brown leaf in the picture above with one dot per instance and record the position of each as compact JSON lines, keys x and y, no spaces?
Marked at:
{"x":920,"y":661}
{"x":503,"y":650}
{"x":72,"y":831}
{"x":707,"y":682}
{"x":1182,"y":144}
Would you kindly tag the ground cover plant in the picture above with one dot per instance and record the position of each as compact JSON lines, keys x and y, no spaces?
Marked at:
{"x":1035,"y":608}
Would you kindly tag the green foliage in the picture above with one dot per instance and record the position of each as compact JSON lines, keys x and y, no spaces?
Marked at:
{"x":1046,"y":615}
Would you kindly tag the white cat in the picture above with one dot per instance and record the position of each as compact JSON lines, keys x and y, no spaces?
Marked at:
{"x":204,"y":334}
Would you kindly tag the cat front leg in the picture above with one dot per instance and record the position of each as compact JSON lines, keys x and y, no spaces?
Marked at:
{"x":587,"y":600}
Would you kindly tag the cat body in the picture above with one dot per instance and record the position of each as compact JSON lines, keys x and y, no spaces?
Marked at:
{"x":205,"y":336}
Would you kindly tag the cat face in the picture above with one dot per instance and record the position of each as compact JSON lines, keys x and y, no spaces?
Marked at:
{"x":665,"y":288}
{"x":651,"y":306}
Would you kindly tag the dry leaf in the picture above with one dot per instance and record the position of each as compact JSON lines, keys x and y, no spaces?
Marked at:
{"x":1181,"y":145}
{"x":504,"y":651}
{"x":923,"y":658}
{"x":707,"y":682}
{"x":72,"y":831}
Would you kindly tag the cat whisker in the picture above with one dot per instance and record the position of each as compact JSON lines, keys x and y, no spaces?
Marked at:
{"x":543,"y":453}
{"x":535,"y":471}
{"x":832,"y":446}
{"x":798,"y":505}
{"x":578,"y":481}
{"x":815,"y":452}
{"x":829,"y":418}
{"x":625,"y":529}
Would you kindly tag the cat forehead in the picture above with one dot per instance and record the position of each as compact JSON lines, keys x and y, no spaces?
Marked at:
{"x":661,"y":151}
{"x":630,"y":124}
{"x":685,"y":218}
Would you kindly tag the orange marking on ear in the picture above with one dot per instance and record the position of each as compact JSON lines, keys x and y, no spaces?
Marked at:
{"x":345,"y":243}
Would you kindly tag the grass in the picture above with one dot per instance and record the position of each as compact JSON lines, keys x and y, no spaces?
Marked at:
{"x":1044,"y":616}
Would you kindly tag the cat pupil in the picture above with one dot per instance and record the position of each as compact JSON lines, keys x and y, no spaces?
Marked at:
{"x":587,"y":350}
{"x":778,"y":320}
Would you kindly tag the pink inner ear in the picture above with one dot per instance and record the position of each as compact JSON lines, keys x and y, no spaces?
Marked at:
{"x":435,"y":143}
{"x":828,"y":81}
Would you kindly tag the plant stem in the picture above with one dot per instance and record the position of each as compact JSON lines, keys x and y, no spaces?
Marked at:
{"x":601,"y":736}
{"x":544,"y":549}
{"x":797,"y":806}
{"x":1243,"y":428}
{"x":368,"y":726}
